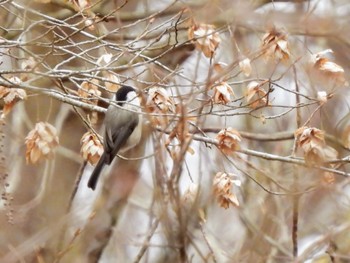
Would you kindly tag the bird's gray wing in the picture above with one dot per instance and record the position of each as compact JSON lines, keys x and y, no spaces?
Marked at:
{"x":117,"y":133}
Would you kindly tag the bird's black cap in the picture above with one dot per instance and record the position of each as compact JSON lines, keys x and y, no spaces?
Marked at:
{"x":122,"y":93}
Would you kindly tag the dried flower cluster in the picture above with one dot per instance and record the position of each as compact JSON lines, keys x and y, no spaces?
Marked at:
{"x":105,"y":59}
{"x":222,"y":186}
{"x":12,"y":95}
{"x":82,"y":4}
{"x":220,"y":67}
{"x":223,"y":93}
{"x":112,"y":83}
{"x":90,"y":23}
{"x":322,"y":97}
{"x":228,"y":140}
{"x":159,"y":103}
{"x":206,"y":39}
{"x":41,"y":142}
{"x":328,"y":68}
{"x":28,"y":64}
{"x":276,"y":45}
{"x":89,"y":91}
{"x":91,"y":148}
{"x":255,"y":94}
{"x":312,"y":142}
{"x":246,"y":67}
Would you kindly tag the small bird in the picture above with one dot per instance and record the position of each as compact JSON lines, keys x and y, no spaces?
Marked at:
{"x":123,"y":128}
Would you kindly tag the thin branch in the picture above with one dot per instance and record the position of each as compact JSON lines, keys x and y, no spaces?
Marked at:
{"x":273,"y":157}
{"x":147,"y":241}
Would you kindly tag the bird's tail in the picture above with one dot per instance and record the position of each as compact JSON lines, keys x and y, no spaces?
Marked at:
{"x":96,"y":173}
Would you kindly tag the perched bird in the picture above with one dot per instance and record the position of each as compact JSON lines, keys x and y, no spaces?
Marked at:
{"x":123,"y":128}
